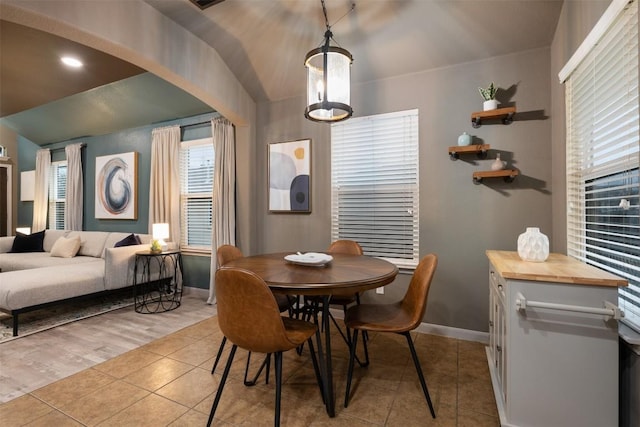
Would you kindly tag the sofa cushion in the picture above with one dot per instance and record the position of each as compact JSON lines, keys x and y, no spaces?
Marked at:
{"x":50,"y":237}
{"x":130,"y":240}
{"x":66,"y":247}
{"x":115,"y":237}
{"x":18,"y":261}
{"x":91,"y":242}
{"x":28,"y":242}
{"x":19,"y":289}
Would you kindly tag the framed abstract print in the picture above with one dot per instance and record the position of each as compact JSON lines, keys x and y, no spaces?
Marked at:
{"x":290,"y":176}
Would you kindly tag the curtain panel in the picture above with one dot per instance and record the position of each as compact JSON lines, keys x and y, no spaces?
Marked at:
{"x":223,"y":221}
{"x":164,"y":185}
{"x":73,"y":206}
{"x":41,"y":192}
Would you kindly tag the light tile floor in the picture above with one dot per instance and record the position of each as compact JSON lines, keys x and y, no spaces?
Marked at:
{"x":167,"y":382}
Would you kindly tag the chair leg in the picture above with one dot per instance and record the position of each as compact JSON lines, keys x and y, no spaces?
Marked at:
{"x":347,"y":340}
{"x":220,"y":350}
{"x":266,"y":362}
{"x":227,"y":368}
{"x":423,"y":383}
{"x":365,"y":334}
{"x":352,"y":354}
{"x":278,"y":386}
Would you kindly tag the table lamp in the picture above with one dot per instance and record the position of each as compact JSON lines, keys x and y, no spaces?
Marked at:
{"x":161,"y":232}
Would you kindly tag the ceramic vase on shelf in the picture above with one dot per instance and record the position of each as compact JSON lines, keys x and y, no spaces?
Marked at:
{"x":498,"y":164}
{"x":533,"y":245}
{"x":464,"y":139}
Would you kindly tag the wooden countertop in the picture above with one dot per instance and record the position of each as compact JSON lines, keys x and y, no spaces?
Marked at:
{"x":557,"y":268}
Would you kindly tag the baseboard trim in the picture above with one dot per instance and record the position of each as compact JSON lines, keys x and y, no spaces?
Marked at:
{"x":197,"y":292}
{"x":451,"y":332}
{"x":444,"y":331}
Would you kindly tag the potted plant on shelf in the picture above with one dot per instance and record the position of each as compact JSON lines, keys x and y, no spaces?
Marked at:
{"x":489,"y":96}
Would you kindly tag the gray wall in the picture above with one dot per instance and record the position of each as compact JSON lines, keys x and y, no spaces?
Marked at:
{"x":458,"y":220}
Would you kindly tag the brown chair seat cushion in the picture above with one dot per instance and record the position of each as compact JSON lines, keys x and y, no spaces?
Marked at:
{"x":298,"y":331}
{"x":380,"y":317}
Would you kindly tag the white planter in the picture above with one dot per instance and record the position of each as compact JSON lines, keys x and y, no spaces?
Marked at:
{"x":533,"y":245}
{"x":491,"y":104}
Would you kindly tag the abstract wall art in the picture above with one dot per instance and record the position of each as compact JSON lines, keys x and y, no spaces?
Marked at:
{"x":116,"y":186}
{"x":290,"y":176}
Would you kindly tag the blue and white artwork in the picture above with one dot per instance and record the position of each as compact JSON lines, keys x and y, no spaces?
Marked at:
{"x":290,"y":176}
{"x":116,"y":178}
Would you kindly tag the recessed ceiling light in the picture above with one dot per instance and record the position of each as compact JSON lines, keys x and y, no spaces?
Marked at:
{"x":71,"y":62}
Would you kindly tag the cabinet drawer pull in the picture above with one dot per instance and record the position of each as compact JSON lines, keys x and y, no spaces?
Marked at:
{"x":609,"y":309}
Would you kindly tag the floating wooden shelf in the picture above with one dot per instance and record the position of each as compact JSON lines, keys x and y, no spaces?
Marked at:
{"x":507,"y":174}
{"x":480,"y":150}
{"x":504,"y":114}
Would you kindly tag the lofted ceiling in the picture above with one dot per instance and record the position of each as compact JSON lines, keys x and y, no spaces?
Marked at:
{"x":264,"y":43}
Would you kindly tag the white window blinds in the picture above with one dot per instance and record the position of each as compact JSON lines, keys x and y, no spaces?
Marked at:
{"x":196,"y":183}
{"x":375,"y":185}
{"x":57,"y":194}
{"x":603,"y":226}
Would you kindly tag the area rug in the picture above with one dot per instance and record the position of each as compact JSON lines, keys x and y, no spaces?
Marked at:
{"x":61,"y":314}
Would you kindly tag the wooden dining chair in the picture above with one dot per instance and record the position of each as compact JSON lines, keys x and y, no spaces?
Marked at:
{"x":225,"y":254}
{"x":349,"y":247}
{"x":250,"y":318}
{"x":401,"y":317}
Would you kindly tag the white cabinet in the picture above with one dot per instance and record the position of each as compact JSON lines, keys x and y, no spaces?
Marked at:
{"x":550,"y":364}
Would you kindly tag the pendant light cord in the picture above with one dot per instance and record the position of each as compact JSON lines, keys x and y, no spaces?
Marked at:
{"x":326,"y":18}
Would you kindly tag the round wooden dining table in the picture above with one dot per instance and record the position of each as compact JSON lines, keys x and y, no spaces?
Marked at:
{"x":344,"y":275}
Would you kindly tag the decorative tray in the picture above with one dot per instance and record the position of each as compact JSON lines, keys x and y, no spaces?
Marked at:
{"x":310,"y":258}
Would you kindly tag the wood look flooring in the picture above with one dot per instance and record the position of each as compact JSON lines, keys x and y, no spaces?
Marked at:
{"x":128,"y":369}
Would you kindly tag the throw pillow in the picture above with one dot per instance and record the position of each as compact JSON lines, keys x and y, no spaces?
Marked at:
{"x":28,"y":242}
{"x":130,"y":240}
{"x":66,"y":247}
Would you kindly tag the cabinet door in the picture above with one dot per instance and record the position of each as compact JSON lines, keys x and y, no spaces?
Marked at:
{"x":498,"y":329}
{"x":492,"y":324}
{"x":501,"y":350}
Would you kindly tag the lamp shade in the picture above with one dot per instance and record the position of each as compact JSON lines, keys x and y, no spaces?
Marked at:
{"x":328,"y":84}
{"x":160,"y":231}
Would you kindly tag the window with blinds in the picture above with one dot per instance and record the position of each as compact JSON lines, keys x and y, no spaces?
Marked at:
{"x":57,"y":194}
{"x":196,"y":188}
{"x":603,"y":219}
{"x":374,"y":185}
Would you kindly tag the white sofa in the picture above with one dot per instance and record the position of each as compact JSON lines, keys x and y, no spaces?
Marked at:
{"x":32,"y":280}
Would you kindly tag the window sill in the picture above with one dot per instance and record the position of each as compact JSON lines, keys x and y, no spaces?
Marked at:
{"x":630,"y":336}
{"x":196,"y":252}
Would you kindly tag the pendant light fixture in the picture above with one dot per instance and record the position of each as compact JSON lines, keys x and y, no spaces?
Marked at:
{"x":328,"y":80}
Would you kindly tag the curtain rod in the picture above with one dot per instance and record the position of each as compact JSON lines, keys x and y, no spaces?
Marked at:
{"x":83,"y":144}
{"x":196,"y":124}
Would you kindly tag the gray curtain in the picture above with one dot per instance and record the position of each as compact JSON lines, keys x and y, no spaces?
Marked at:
{"x":223,"y":222}
{"x":73,"y":205}
{"x":41,"y":192}
{"x":164,"y":185}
